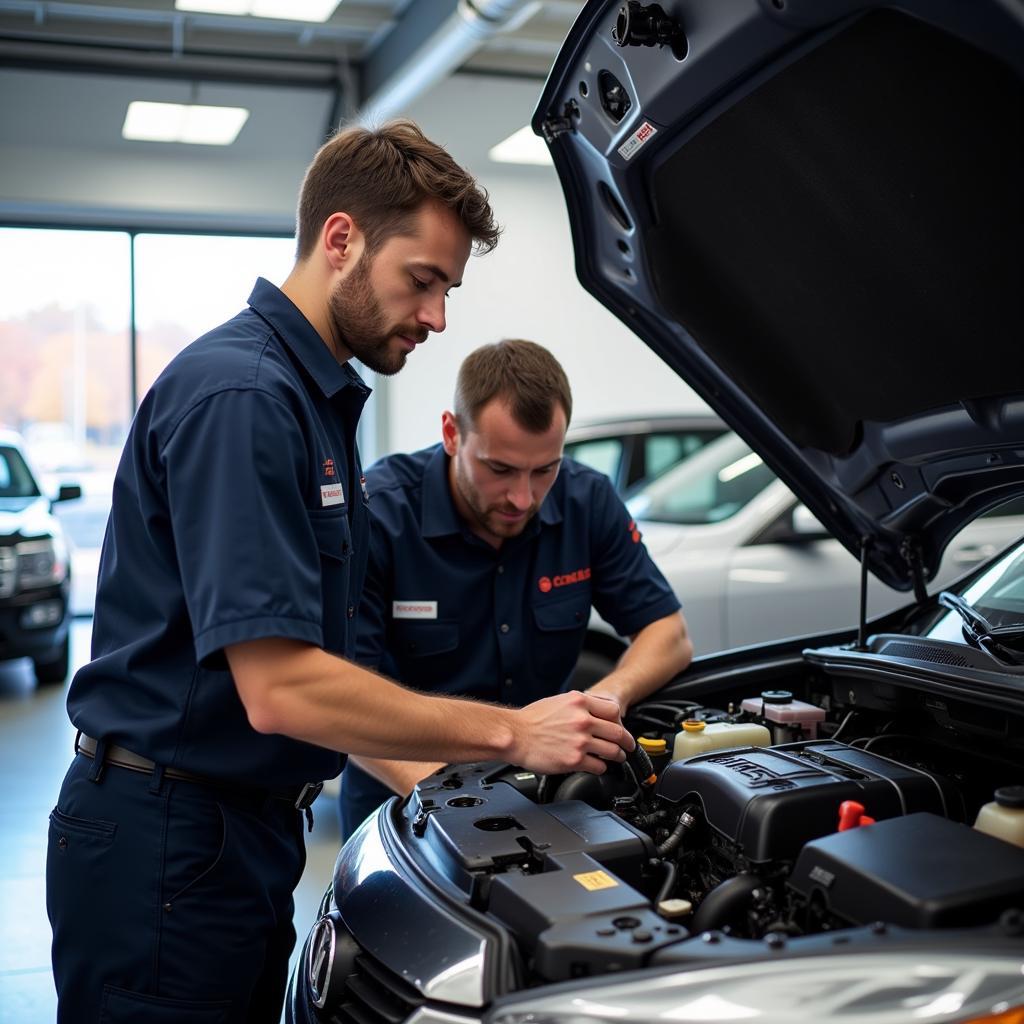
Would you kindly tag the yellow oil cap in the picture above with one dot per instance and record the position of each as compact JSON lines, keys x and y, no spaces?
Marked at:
{"x":692,"y":725}
{"x":652,"y":746}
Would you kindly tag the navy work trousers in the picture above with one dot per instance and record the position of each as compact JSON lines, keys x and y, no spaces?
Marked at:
{"x":169,"y":901}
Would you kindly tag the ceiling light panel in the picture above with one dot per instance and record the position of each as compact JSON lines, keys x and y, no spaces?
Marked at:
{"x":521,"y":147}
{"x":178,"y":122}
{"x":287,"y":10}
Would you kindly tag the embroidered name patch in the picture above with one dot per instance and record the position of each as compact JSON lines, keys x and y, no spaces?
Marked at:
{"x":331,"y":494}
{"x":414,"y":609}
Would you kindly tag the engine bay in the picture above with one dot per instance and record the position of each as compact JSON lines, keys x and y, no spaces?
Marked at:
{"x":783,"y":817}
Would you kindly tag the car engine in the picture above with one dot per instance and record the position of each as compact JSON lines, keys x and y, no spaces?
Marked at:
{"x":802,"y":832}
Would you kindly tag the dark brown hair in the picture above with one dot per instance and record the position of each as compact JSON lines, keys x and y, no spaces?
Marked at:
{"x":527,"y":377}
{"x":382,"y":177}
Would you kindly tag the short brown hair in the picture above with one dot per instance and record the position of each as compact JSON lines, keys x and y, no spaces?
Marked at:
{"x":527,"y":377}
{"x":382,"y":177}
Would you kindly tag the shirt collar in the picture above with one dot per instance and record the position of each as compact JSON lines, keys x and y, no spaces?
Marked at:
{"x":299,"y":335}
{"x":438,"y":515}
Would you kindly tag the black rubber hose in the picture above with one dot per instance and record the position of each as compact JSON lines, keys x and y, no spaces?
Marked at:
{"x":669,"y":881}
{"x":640,"y":762}
{"x":725,"y":902}
{"x":683,"y":825}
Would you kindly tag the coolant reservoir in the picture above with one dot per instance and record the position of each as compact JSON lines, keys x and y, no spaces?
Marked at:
{"x":791,"y":719}
{"x":1004,"y":816}
{"x":700,"y":737}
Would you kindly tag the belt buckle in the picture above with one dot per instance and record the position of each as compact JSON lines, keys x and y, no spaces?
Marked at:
{"x":309,"y":792}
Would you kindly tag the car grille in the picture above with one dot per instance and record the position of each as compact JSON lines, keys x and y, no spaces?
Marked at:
{"x":8,"y":571}
{"x":376,"y":995}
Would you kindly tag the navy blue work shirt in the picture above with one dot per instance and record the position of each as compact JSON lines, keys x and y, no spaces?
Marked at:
{"x":445,"y":611}
{"x":238,"y":513}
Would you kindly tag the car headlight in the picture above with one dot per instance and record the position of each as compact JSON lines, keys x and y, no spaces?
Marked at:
{"x":41,"y":563}
{"x":889,"y":988}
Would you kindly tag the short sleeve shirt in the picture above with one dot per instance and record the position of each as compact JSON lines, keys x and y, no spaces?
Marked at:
{"x":445,"y":611}
{"x":238,"y":514}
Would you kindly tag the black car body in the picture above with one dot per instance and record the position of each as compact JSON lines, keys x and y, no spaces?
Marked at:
{"x":35,"y":573}
{"x":812,"y":210}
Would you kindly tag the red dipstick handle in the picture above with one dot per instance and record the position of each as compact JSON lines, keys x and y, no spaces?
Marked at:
{"x":851,"y":815}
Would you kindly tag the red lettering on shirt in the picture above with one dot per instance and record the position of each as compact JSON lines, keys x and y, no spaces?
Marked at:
{"x":546,"y":583}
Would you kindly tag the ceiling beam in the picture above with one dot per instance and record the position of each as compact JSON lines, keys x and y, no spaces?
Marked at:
{"x":432,"y":39}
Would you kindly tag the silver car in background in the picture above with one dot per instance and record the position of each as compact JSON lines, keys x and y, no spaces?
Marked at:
{"x":750,"y":563}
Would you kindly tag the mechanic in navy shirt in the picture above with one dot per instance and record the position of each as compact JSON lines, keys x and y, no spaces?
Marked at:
{"x":219,"y":694}
{"x":486,"y":554}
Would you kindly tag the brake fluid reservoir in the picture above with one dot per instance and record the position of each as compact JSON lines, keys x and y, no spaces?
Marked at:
{"x":791,"y":719}
{"x":1004,"y":816}
{"x":700,"y":737}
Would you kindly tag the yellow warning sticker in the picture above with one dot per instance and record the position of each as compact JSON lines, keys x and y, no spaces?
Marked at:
{"x":593,"y":880}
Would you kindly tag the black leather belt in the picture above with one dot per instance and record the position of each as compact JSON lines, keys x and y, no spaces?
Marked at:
{"x":301,"y":796}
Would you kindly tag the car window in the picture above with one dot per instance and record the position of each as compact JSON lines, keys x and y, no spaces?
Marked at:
{"x":15,"y":478}
{"x":997,"y":594}
{"x":708,"y":487}
{"x":661,"y":451}
{"x":603,"y":454}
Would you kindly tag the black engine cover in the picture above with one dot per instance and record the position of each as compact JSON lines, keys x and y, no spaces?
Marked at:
{"x":918,"y":872}
{"x":769,"y":802}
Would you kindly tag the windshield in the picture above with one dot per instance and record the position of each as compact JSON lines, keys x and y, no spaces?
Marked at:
{"x":15,"y":479}
{"x":708,"y":487}
{"x":997,"y":594}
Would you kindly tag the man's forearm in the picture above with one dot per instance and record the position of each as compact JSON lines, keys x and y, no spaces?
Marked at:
{"x":308,"y":694}
{"x":398,"y":776}
{"x":301,"y":691}
{"x":658,"y":652}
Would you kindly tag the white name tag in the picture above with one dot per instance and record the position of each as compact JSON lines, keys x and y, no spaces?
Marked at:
{"x":331,"y":494}
{"x":414,"y":609}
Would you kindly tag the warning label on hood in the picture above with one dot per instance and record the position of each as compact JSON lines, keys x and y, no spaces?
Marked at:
{"x":645,"y":132}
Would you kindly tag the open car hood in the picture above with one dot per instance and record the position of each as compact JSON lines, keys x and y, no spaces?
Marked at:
{"x":811,"y":210}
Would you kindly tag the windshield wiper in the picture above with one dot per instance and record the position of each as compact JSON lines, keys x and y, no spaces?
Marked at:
{"x":995,"y":641}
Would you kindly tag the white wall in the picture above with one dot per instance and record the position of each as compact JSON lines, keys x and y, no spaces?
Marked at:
{"x":527,"y":288}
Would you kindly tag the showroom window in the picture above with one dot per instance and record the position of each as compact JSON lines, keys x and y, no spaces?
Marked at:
{"x":69,"y":347}
{"x":187,"y":284}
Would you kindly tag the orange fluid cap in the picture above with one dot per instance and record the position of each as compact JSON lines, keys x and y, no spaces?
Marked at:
{"x":692,"y":725}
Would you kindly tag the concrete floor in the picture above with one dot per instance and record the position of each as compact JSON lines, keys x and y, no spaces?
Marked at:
{"x":35,"y":749}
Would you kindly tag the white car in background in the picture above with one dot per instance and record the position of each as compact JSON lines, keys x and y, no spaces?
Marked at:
{"x":750,"y":563}
{"x":631,"y":450}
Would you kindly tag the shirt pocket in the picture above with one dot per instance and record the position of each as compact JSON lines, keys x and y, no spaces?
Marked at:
{"x":334,"y":544}
{"x":561,"y":626}
{"x":427,"y":654}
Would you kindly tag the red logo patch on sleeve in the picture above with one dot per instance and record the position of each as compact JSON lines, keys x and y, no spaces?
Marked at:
{"x":633,"y":531}
{"x":328,"y":467}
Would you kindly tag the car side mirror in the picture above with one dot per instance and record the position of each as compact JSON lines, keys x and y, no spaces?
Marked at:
{"x":806,"y":526}
{"x":68,"y":492}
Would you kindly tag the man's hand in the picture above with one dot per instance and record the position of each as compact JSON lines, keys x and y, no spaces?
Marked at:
{"x":568,"y":733}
